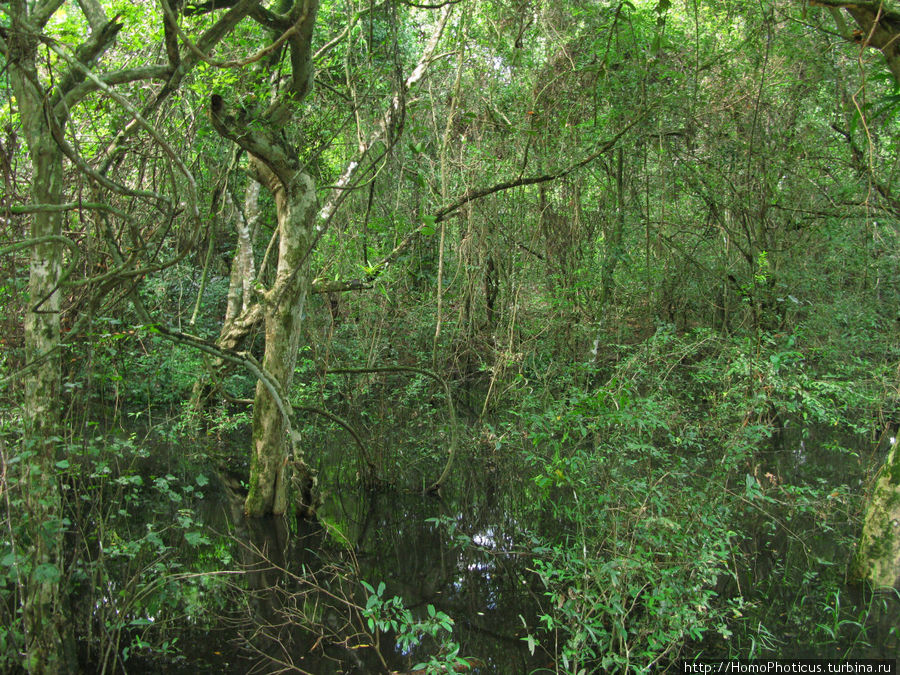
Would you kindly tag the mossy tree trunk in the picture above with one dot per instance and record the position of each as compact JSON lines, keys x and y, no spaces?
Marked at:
{"x":877,"y":557}
{"x":264,"y":135}
{"x":44,"y":111}
{"x":283,"y":307}
{"x":44,"y":621}
{"x":274,"y":163}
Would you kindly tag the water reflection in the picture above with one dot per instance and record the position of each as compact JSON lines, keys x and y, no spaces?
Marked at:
{"x":798,"y":547}
{"x":465,"y":554}
{"x":468,"y":554}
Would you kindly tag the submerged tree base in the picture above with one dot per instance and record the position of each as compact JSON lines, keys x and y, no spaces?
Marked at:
{"x":877,"y":558}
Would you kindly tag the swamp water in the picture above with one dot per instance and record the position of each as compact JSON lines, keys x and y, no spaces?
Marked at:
{"x":296,"y":604}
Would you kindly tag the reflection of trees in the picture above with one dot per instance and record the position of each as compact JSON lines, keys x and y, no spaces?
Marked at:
{"x":302,"y":615}
{"x":465,"y":563}
{"x":468,"y":559}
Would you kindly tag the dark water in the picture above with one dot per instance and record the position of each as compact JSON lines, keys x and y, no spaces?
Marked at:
{"x":798,"y":557}
{"x":468,"y":554}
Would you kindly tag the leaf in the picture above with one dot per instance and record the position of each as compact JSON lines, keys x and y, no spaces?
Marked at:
{"x":195,"y":538}
{"x":428,"y":225}
{"x":46,"y":573}
{"x":202,"y":480}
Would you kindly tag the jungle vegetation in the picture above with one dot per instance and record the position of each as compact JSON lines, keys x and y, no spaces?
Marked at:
{"x":632,"y":265}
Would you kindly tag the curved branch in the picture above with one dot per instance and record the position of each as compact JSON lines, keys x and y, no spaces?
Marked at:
{"x":218,"y":63}
{"x":122,"y":101}
{"x":879,"y":23}
{"x":68,"y":206}
{"x":86,"y":53}
{"x":213,"y":35}
{"x":364,"y":455}
{"x":477,"y":193}
{"x":261,"y":141}
{"x":451,"y":453}
{"x":82,"y":89}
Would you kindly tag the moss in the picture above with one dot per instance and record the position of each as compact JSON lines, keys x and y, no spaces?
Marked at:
{"x":881,"y":546}
{"x":875,"y":558}
{"x":893,"y":472}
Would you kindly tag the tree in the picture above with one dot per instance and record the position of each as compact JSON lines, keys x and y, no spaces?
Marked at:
{"x":877,"y":557}
{"x":276,"y":455}
{"x":44,"y":109}
{"x":46,"y":96}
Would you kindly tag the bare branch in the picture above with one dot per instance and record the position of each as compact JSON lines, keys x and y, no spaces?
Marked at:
{"x":85,"y":55}
{"x":478,"y":193}
{"x":337,"y":192}
{"x":122,"y":101}
{"x":119,"y":77}
{"x":41,"y":14}
{"x":336,"y":40}
{"x":218,"y":63}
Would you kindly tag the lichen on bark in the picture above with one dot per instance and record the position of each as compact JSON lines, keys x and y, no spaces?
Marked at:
{"x":877,"y":556}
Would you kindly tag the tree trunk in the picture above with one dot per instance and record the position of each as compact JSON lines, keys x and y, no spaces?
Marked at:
{"x":275,"y":448}
{"x":877,"y":557}
{"x":283,"y":307}
{"x":45,"y":627}
{"x":613,"y":237}
{"x":44,"y":621}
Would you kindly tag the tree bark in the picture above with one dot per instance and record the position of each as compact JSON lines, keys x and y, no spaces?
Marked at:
{"x":44,"y":621}
{"x":44,"y":624}
{"x":283,"y":307}
{"x":879,"y":27}
{"x":275,"y":451}
{"x":877,"y":557}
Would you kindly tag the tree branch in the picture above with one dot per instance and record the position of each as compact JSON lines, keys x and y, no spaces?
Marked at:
{"x":257,"y":139}
{"x":122,"y":101}
{"x":451,"y":453}
{"x":85,"y":56}
{"x":475,"y":194}
{"x":879,"y":24}
{"x":94,"y":14}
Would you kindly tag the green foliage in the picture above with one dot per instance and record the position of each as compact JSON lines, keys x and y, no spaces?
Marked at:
{"x":687,"y":339}
{"x":125,"y":528}
{"x":653,"y":478}
{"x":389,"y":615}
{"x":646,"y":537}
